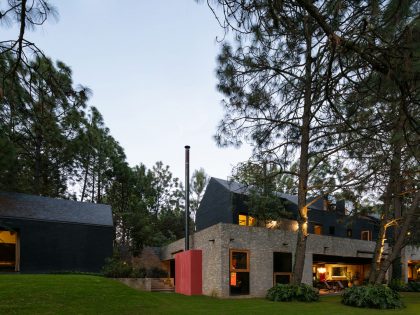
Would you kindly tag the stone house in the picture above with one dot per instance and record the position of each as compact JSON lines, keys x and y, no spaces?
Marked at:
{"x":240,"y":259}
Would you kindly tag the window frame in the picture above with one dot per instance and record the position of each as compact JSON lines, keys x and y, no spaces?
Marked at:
{"x":248,"y":219}
{"x":231,"y":251}
{"x":321,"y":226}
{"x":281,"y":274}
{"x":369,"y":233}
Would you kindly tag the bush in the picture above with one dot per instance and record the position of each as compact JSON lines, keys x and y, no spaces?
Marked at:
{"x":413,"y":286}
{"x":156,"y":273}
{"x":115,"y":268}
{"x":138,"y":273}
{"x":372,"y":296}
{"x":400,"y":286}
{"x":289,"y":292}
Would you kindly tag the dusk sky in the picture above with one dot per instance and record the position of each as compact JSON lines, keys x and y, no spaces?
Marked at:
{"x":151,"y":67}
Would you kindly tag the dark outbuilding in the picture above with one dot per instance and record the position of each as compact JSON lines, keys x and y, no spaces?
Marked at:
{"x":40,"y":234}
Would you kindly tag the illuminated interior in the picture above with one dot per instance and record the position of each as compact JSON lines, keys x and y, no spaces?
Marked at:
{"x":8,"y":241}
{"x":271,"y":224}
{"x":246,"y":220}
{"x":239,"y":272}
{"x":413,"y":270}
{"x":346,"y":273}
{"x":318,"y":229}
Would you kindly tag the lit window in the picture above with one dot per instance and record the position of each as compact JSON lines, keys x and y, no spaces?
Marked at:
{"x":246,"y":220}
{"x":239,"y":272}
{"x":8,"y":242}
{"x":251,"y":221}
{"x":318,"y":229}
{"x":366,"y":235}
{"x":242,"y":219}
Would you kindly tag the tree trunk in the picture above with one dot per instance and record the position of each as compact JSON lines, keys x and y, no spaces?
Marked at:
{"x":400,"y":241}
{"x":379,"y":248}
{"x":303,"y":164}
{"x":37,"y":166}
{"x":392,"y":193}
{"x":93,"y":180}
{"x":85,"y":178}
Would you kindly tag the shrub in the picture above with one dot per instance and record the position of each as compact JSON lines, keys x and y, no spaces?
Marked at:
{"x":138,"y":273}
{"x":372,"y":296}
{"x":115,"y":268}
{"x":156,"y":273}
{"x":413,"y":286}
{"x":289,"y":292}
{"x":400,"y":286}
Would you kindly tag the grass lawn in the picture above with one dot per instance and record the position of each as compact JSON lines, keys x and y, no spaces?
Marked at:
{"x":77,"y":294}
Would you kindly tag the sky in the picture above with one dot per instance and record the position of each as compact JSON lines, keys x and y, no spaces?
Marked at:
{"x":151,"y":67}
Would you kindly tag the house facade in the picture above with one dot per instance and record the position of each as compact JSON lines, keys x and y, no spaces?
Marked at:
{"x":42,"y":235}
{"x":239,"y":259}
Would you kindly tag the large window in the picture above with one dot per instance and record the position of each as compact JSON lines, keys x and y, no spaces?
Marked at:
{"x":246,"y":220}
{"x":8,"y":242}
{"x":339,"y":272}
{"x":239,"y":272}
{"x":282,"y":267}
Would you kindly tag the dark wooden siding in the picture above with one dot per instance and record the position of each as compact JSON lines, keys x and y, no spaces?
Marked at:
{"x":57,"y":247}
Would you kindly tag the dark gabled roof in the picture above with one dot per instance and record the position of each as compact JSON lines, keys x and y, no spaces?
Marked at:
{"x":243,"y":189}
{"x":22,"y":206}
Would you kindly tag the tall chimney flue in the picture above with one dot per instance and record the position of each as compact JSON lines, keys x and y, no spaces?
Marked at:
{"x":187,"y":197}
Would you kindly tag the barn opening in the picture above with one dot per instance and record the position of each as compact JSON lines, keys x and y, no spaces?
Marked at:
{"x":9,"y":251}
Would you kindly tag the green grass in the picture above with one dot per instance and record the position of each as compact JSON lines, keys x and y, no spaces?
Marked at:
{"x":81,"y":294}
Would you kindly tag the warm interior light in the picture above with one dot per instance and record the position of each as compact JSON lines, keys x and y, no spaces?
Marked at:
{"x":242,"y":219}
{"x":271,"y":224}
{"x":233,"y":278}
{"x":8,"y":237}
{"x":322,"y":270}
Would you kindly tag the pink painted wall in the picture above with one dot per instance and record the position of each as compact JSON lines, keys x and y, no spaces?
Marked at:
{"x":188,"y":272}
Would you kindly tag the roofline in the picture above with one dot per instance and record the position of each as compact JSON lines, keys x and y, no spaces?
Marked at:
{"x":56,"y":221}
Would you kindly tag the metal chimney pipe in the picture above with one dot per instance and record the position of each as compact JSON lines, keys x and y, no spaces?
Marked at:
{"x":187,"y":197}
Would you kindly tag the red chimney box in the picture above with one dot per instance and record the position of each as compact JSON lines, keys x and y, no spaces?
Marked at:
{"x":188,"y":272}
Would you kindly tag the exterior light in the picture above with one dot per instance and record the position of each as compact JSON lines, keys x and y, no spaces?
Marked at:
{"x":272,"y":224}
{"x":322,"y":270}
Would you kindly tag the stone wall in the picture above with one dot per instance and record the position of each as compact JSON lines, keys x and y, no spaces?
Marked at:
{"x":409,"y":253}
{"x":209,"y":241}
{"x":217,"y":240}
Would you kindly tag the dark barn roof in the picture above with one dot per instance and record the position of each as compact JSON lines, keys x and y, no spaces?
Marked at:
{"x":22,"y":206}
